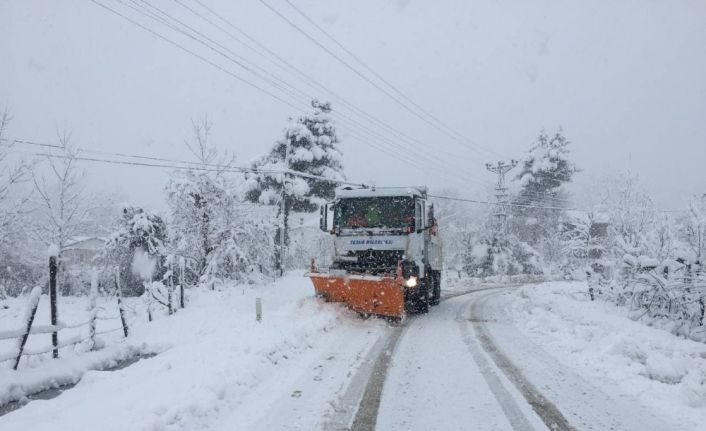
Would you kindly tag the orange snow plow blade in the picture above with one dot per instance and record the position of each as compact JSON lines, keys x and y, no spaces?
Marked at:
{"x":381,"y":296}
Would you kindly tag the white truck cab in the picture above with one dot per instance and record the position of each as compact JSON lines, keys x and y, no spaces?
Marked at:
{"x":378,"y":228}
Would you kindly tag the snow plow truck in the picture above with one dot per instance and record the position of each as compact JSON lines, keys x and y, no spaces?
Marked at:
{"x":387,"y":251}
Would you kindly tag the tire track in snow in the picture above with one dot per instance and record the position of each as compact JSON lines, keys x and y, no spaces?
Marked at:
{"x":545,"y":409}
{"x":367,"y":413}
{"x":507,"y":403}
{"x":346,"y":407}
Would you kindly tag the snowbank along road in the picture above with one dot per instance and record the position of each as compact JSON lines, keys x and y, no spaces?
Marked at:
{"x":309,"y":365}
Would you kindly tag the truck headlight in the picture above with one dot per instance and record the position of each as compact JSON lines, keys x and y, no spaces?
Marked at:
{"x":411,"y":282}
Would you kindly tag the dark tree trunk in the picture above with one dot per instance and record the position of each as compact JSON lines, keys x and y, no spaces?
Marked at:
{"x":280,"y":252}
{"x":52,"y":301}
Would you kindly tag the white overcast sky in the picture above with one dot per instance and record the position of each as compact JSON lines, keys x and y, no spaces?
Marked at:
{"x":626,"y":80}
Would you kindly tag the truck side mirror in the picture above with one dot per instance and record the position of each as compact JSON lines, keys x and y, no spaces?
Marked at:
{"x":323,"y":220}
{"x":430,"y":216}
{"x":418,"y":217}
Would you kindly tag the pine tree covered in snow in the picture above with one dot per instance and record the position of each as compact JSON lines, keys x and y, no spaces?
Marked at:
{"x":538,"y":207}
{"x":309,"y":146}
{"x":546,"y":169}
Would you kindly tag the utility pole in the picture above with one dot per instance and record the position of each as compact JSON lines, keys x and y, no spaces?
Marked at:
{"x":284,"y":210}
{"x":500,"y":169}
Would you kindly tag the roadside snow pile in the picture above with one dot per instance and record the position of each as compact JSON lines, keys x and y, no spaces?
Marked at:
{"x":215,"y":361}
{"x":622,"y":356}
{"x":16,"y":385}
{"x":456,"y":281}
{"x":38,"y":372}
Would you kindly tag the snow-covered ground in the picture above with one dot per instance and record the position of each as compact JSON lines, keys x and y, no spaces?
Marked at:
{"x":306,"y":365}
{"x":624,"y":358}
{"x":216,"y":367}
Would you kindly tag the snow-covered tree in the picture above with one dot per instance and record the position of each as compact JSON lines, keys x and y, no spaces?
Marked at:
{"x":195,"y":198}
{"x":12,"y":200}
{"x":546,"y":169}
{"x":491,"y":255}
{"x":139,"y":232}
{"x":583,"y":243}
{"x":243,"y":251}
{"x":220,"y":236}
{"x":538,"y":207}
{"x":60,"y":204}
{"x":692,"y":233}
{"x":459,"y":226}
{"x":16,"y":270}
{"x":309,"y":146}
{"x":632,"y":215}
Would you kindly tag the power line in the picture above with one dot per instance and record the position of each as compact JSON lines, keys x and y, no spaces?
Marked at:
{"x":361,"y":75}
{"x":161,"y":20}
{"x":209,"y":42}
{"x":204,"y":59}
{"x":207,"y":167}
{"x":508,"y":204}
{"x":385,"y":81}
{"x":436,"y":123}
{"x":153,"y":16}
{"x":213,"y":167}
{"x":293,"y":70}
{"x":441,"y":163}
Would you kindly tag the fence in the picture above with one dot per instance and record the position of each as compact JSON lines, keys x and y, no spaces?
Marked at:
{"x":22,"y":334}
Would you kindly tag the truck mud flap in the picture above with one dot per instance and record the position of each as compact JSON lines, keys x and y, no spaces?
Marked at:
{"x":381,"y":296}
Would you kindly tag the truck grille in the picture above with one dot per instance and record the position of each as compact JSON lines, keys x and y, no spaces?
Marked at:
{"x":375,"y":262}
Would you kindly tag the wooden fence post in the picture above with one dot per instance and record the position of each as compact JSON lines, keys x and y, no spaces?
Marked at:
{"x":148,"y":292}
{"x":120,"y":300}
{"x":53,"y":254}
{"x":34,"y":303}
{"x":170,"y":288}
{"x":182,"y":266}
{"x":93,"y":312}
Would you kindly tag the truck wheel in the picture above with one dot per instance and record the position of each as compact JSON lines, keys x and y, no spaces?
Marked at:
{"x":436,"y":283}
{"x":423,"y":301}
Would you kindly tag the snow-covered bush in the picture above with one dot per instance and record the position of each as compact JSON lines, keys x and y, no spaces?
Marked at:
{"x":492,"y":255}
{"x":243,"y":252}
{"x":139,"y":232}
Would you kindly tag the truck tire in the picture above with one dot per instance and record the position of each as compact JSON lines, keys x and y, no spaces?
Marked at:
{"x":436,"y":290}
{"x":424,"y":295}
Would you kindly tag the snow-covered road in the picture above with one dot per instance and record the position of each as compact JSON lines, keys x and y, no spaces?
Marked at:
{"x":467,"y":365}
{"x":439,"y":379}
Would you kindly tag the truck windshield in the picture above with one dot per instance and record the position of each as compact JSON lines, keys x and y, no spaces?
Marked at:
{"x":395,"y":212}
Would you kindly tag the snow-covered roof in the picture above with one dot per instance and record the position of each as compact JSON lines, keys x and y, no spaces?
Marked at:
{"x":347,"y":192}
{"x":78,"y":241}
